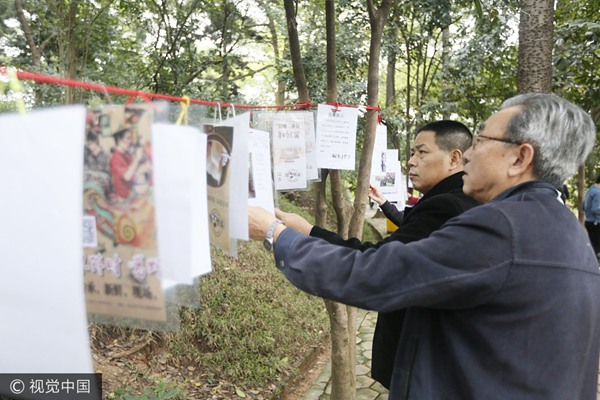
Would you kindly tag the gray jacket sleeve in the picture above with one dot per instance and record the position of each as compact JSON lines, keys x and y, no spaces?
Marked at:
{"x":461,"y":265}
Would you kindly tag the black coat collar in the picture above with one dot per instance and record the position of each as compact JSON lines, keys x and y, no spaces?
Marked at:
{"x":451,"y":183}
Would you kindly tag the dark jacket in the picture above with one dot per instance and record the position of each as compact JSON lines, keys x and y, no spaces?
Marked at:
{"x":505,"y":303}
{"x":444,"y":201}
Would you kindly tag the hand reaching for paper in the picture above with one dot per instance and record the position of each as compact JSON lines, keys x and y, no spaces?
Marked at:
{"x":294,"y":221}
{"x":376,"y":195}
{"x":259,"y":220}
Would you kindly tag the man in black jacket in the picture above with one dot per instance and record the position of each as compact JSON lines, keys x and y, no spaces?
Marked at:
{"x":435,"y":169}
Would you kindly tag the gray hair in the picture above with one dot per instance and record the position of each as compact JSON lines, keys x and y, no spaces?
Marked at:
{"x":561,"y":133}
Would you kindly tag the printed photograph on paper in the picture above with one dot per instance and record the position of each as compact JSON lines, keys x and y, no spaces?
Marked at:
{"x":219,"y":144}
{"x":122,"y":269}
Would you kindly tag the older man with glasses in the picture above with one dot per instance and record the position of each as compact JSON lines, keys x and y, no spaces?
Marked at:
{"x":503,"y":302}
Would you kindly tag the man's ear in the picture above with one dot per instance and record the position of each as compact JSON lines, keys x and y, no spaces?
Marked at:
{"x":523,"y":162}
{"x":456,"y":158}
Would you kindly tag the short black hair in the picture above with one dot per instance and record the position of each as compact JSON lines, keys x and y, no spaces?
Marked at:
{"x":91,"y":137}
{"x":598,"y":179}
{"x":118,"y":135}
{"x":449,"y":135}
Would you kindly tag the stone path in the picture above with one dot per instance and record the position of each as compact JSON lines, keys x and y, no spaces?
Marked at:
{"x":366,"y":388}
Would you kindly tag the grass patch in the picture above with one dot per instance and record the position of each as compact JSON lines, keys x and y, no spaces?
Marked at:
{"x":252,"y":323}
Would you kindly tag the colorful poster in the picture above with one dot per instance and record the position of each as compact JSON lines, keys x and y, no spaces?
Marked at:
{"x":122,"y":266}
{"x":44,"y":326}
{"x":336,"y":136}
{"x":219,"y":145}
{"x":289,"y":151}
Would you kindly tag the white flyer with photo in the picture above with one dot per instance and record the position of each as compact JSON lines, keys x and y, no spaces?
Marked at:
{"x":386,"y":175}
{"x":378,"y":159}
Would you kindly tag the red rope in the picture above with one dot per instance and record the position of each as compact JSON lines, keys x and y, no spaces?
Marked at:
{"x":133,"y":94}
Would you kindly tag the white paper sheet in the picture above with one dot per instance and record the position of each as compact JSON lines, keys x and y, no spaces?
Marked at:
{"x":336,"y":137}
{"x":289,"y":151}
{"x":312,"y":170}
{"x":379,"y":147}
{"x":238,"y":203}
{"x":201,"y":261}
{"x":401,"y":197}
{"x":261,"y":187}
{"x":385,"y":177}
{"x":179,"y":173}
{"x":44,"y":324}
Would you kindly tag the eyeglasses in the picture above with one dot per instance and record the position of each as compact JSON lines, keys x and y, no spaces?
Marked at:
{"x":478,"y":138}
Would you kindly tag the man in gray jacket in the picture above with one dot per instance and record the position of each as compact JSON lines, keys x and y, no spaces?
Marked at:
{"x":505,"y":301}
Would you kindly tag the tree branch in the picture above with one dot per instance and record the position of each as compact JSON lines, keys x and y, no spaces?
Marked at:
{"x":35,"y":51}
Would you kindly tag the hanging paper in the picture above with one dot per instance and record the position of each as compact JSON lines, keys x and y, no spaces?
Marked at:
{"x":122,"y":271}
{"x":263,"y":120}
{"x":179,"y":173}
{"x":44,"y":328}
{"x":219,"y":145}
{"x":238,"y":204}
{"x":312,"y":170}
{"x":336,"y":136}
{"x":289,"y":151}
{"x":379,"y":147}
{"x":394,"y":181}
{"x":399,"y":194}
{"x":260,"y":183}
{"x":386,"y":170}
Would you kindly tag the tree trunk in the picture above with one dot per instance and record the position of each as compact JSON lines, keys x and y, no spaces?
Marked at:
{"x":390,"y":83}
{"x":407,"y":104}
{"x":535,"y":46}
{"x":446,"y":46}
{"x":321,"y":200}
{"x":342,"y":318}
{"x":377,"y":20}
{"x":581,"y":188}
{"x":343,"y":377}
{"x":71,"y":61}
{"x":290,"y":13}
{"x":280,"y":91}
{"x":36,"y":52}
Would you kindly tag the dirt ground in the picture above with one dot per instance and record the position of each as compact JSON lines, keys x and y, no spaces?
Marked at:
{"x":139,"y":365}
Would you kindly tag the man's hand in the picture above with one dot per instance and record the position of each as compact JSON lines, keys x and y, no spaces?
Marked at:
{"x":259,"y":220}
{"x":294,"y":221}
{"x":375,"y":194}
